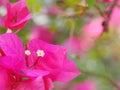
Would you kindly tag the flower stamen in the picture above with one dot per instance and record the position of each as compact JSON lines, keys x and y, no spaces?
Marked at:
{"x":27,"y":52}
{"x":40,"y":53}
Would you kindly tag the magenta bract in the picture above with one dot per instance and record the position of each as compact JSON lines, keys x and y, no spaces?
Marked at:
{"x":17,"y":15}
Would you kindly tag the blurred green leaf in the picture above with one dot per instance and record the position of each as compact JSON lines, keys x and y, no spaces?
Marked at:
{"x":91,"y":3}
{"x":34,"y":5}
{"x":71,"y":3}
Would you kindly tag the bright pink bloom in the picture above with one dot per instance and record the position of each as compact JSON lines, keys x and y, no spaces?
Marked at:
{"x":41,"y":59}
{"x":43,"y":33}
{"x":94,"y":28}
{"x":17,"y":15}
{"x":85,"y":85}
{"x":15,"y":70}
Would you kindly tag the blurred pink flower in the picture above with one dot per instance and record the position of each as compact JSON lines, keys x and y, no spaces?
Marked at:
{"x":54,"y":10}
{"x":73,"y":45}
{"x":38,"y":60}
{"x":78,"y":45}
{"x":107,"y":1}
{"x":85,"y":85}
{"x":43,"y":33}
{"x":17,"y":15}
{"x":1,"y":21}
{"x":3,"y":2}
{"x":93,"y":29}
{"x":114,"y":20}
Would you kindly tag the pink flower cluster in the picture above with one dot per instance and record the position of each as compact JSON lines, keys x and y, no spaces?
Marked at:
{"x":34,"y":66}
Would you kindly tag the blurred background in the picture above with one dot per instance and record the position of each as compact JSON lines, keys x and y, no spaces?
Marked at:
{"x":89,"y":29}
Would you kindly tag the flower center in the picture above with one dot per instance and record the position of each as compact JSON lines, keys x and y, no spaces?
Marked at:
{"x":40,"y":53}
{"x":27,"y":52}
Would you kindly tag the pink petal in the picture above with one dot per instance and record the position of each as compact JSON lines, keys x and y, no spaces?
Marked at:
{"x":11,"y":63}
{"x":4,"y":80}
{"x":52,"y":60}
{"x":11,"y":45}
{"x":48,"y":83}
{"x":68,"y":72}
{"x":36,"y":84}
{"x":35,"y":73}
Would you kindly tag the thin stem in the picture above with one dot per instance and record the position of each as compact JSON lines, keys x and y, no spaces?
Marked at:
{"x":99,"y":10}
{"x":106,"y":22}
{"x":26,"y":57}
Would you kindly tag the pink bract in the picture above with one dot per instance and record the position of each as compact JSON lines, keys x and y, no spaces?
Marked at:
{"x":53,"y":61}
{"x":51,"y":66}
{"x":17,"y":15}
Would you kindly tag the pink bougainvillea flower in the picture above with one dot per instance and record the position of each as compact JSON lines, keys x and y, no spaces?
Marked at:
{"x":43,"y":33}
{"x":41,"y":59}
{"x":15,"y":70}
{"x":85,"y":85}
{"x":17,"y":15}
{"x":94,"y":28}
